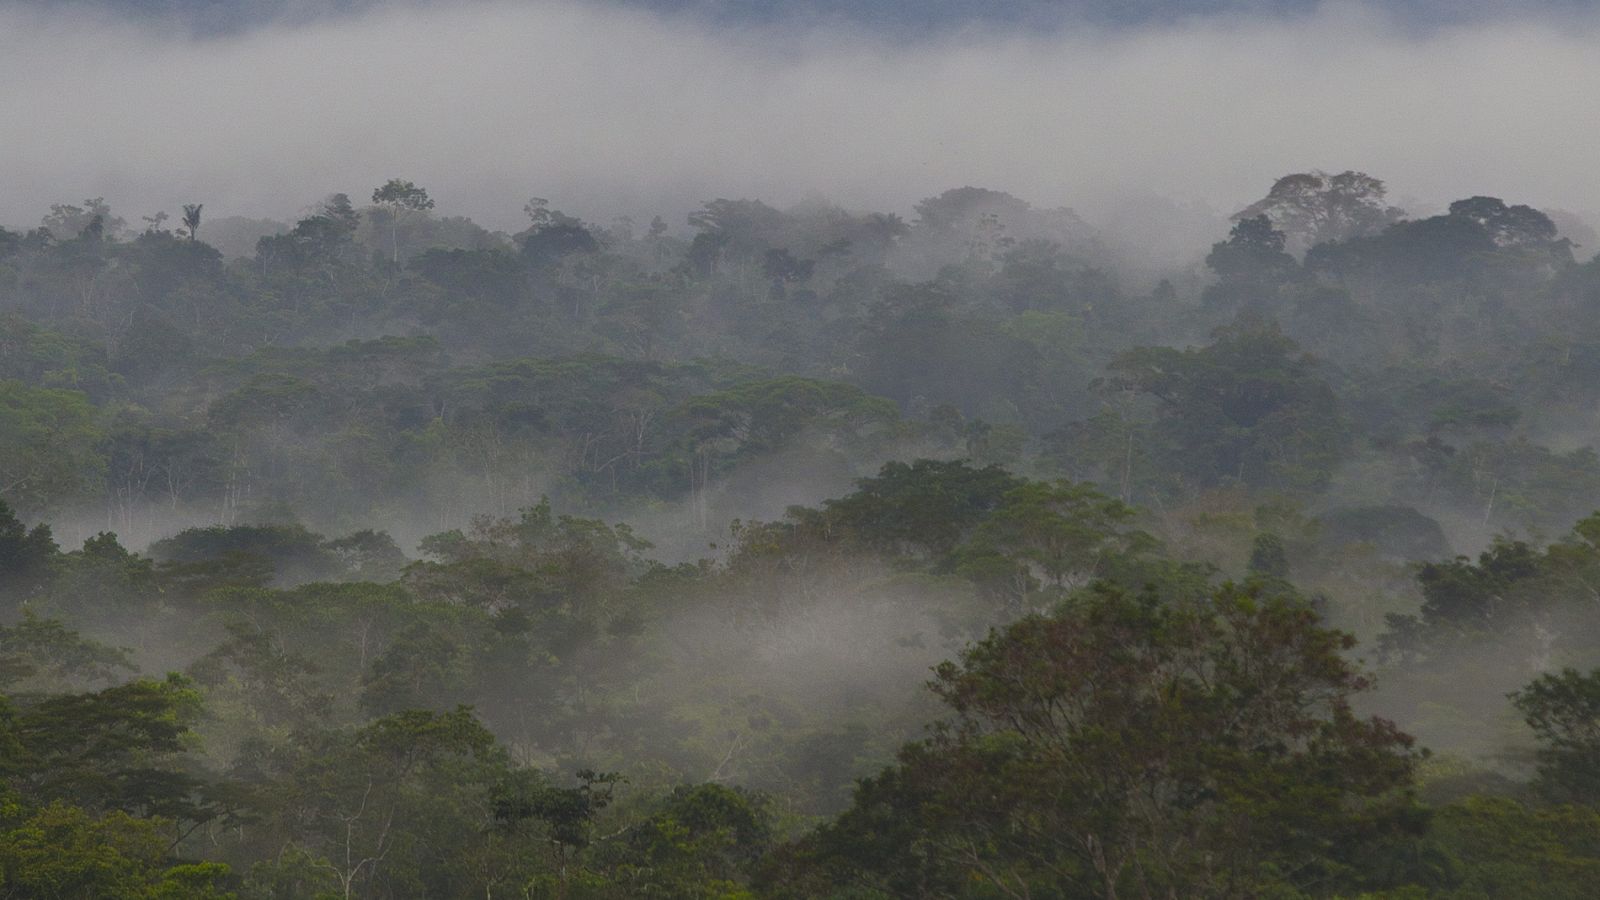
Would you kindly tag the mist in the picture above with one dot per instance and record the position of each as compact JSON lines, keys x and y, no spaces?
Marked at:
{"x":610,"y":110}
{"x":791,"y":450}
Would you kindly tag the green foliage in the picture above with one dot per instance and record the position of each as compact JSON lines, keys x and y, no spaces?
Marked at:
{"x":919,"y":349}
{"x":927,"y":506}
{"x":402,"y":194}
{"x":551,"y":403}
{"x":39,"y":356}
{"x":47,"y":445}
{"x":1060,"y":534}
{"x":568,"y":812}
{"x":1127,"y":744}
{"x":1313,"y":208}
{"x":1268,"y":558}
{"x":1496,"y":847}
{"x":549,"y":244}
{"x":1251,"y":264}
{"x":60,"y":851}
{"x":1246,"y":409}
{"x":290,"y":551}
{"x":700,"y":843}
{"x":27,"y":557}
{"x":113,"y":749}
{"x":47,"y":652}
{"x":1563,"y":709}
{"x":275,"y":684}
{"x":382,"y":808}
{"x":1463,"y":593}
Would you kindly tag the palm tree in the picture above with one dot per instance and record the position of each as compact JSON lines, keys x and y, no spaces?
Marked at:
{"x":191,"y":218}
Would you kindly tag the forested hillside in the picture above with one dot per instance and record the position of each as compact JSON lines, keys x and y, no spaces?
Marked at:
{"x":800,"y":552}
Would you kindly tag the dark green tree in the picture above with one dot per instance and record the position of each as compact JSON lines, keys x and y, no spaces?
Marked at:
{"x":1563,"y":709}
{"x":1132,"y":746}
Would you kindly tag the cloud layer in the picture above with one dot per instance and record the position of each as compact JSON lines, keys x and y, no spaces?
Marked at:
{"x":610,"y":110}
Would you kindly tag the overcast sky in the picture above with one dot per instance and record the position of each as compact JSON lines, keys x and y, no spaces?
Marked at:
{"x":609,"y":110}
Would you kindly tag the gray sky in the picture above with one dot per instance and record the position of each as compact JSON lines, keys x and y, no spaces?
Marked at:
{"x":607,"y":110}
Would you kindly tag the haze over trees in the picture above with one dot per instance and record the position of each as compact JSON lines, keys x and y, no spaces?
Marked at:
{"x":799,"y":552}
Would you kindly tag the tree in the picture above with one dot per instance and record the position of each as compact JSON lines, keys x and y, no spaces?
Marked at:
{"x":926,"y":507}
{"x":290,"y":552}
{"x":1252,"y":245}
{"x":1129,"y":745}
{"x":384,"y":806}
{"x":700,"y":842}
{"x":276,"y":684}
{"x":548,"y":244}
{"x":63,"y":851}
{"x":191,"y":219}
{"x":67,"y":221}
{"x":399,"y":198}
{"x":1060,"y":533}
{"x":743,"y":228}
{"x":421,"y":669}
{"x":368,"y":555}
{"x":1563,"y":709}
{"x":1314,"y":207}
{"x":399,"y":194}
{"x":1480,"y":241}
{"x":567,"y":813}
{"x":1249,"y":409}
{"x":47,"y":651}
{"x":1497,"y":847}
{"x":1252,"y":267}
{"x":1508,"y":226}
{"x":916,"y":345}
{"x":27,"y":557}
{"x":1459,"y":594}
{"x":1268,"y":559}
{"x":782,"y":268}
{"x":331,"y":228}
{"x":120,"y":748}
{"x":47,"y":445}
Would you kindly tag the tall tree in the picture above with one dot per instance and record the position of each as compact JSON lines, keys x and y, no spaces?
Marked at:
{"x":1563,"y":709}
{"x":191,"y":219}
{"x":398,"y":198}
{"x":1314,"y":207}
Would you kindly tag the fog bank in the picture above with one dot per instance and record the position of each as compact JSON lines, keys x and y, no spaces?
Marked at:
{"x":612,"y":110}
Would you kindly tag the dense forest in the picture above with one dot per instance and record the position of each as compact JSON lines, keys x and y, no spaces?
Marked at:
{"x":800,"y":552}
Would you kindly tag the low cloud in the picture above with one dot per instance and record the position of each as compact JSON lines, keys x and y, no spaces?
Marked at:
{"x":609,"y":110}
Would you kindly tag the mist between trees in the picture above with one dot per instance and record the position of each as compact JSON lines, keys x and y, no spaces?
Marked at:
{"x":800,"y":552}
